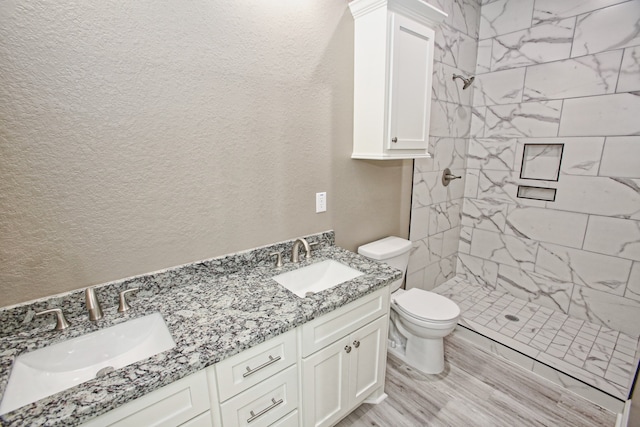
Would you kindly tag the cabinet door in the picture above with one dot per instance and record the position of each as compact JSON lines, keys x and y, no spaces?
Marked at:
{"x":368,"y":360}
{"x":325,"y":376}
{"x":410,"y":84}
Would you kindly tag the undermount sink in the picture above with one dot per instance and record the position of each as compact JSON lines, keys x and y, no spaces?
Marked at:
{"x":316,"y":277}
{"x":49,"y":370}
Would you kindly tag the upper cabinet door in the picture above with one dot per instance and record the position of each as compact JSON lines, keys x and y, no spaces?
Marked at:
{"x":410,"y":84}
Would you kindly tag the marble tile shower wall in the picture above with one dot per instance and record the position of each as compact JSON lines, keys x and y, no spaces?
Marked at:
{"x":564,"y":72}
{"x":435,"y":212}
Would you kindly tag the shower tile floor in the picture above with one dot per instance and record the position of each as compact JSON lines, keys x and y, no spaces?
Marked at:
{"x":596,"y":355}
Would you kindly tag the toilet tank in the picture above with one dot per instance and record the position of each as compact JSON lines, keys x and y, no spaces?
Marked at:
{"x":390,"y":250}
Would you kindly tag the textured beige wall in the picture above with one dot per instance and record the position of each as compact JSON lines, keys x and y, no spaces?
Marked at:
{"x":141,"y":135}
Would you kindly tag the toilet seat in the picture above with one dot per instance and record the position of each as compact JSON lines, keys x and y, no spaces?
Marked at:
{"x":427,"y":306}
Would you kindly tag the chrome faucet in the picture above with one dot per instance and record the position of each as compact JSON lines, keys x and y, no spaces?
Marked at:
{"x":93,"y":305}
{"x":296,"y":248}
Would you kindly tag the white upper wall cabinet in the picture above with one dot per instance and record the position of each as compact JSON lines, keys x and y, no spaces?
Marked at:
{"x":393,"y":67}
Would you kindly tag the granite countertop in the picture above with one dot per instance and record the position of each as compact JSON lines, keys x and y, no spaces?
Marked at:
{"x":213,"y":309}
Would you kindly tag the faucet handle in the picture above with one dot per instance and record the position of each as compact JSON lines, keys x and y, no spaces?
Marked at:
{"x":123,"y":305}
{"x":278,"y":259}
{"x":61,"y":322}
{"x":312,"y":246}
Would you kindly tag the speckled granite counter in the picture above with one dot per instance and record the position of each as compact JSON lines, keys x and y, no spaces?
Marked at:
{"x":214,"y":309}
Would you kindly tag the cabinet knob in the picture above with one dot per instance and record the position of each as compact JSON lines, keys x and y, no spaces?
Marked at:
{"x":347,"y":348}
{"x":356,"y":343}
{"x":394,"y":139}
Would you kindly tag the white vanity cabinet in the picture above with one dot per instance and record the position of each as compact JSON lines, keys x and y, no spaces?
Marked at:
{"x":183,"y":402}
{"x":339,"y":376}
{"x":259,"y":386}
{"x":393,"y":67}
{"x":313,"y":375}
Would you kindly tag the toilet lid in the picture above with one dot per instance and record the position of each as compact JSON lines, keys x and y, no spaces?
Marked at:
{"x":427,"y":305}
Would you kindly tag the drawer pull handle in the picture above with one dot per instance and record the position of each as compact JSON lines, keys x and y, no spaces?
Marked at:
{"x":265,"y":410}
{"x":356,"y":343}
{"x":264,"y":365}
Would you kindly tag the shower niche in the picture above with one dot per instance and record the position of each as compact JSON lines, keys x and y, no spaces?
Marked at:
{"x":540,"y":162}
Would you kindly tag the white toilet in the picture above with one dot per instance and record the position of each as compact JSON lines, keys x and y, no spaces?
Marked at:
{"x":419,"y":319}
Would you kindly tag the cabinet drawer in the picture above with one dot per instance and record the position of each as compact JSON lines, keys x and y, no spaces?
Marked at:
{"x":290,"y":420}
{"x":168,"y":406}
{"x":202,"y":420}
{"x":248,"y":368}
{"x":332,"y":326}
{"x":264,"y":403}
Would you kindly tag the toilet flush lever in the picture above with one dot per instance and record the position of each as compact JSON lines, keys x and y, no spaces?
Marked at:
{"x":447,"y":177}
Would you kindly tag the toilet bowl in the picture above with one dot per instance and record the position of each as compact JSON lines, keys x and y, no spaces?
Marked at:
{"x":419,"y":319}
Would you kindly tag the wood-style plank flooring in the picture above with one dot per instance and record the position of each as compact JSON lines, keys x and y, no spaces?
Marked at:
{"x":476,"y":389}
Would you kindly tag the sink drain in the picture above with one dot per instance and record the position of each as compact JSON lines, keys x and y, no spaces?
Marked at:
{"x":511,"y":317}
{"x":104,"y":371}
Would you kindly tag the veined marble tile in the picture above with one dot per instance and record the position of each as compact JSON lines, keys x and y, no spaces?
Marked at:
{"x":438,"y":273}
{"x":444,"y":216}
{"x":471,"y":183}
{"x":525,"y":119}
{"x":444,"y":88}
{"x":467,"y":54}
{"x":554,"y":10}
{"x":584,"y":76}
{"x":449,"y":119}
{"x":606,"y":115}
{"x":503,"y":186}
{"x":504,"y":16}
{"x":600,"y":272}
{"x":542,"y":43}
{"x":613,"y":236}
{"x":477,"y":122}
{"x":633,"y":285}
{"x":415,"y":279}
{"x":485,"y":214}
{"x":425,"y":252}
{"x":446,"y":45}
{"x":504,"y":249}
{"x":577,"y":372}
{"x":500,"y":87}
{"x":448,"y":153}
{"x":483,"y":61}
{"x":477,"y":270}
{"x":419,"y":228}
{"x":464,"y":244}
{"x":425,"y":164}
{"x":494,"y":154}
{"x":428,"y":189}
{"x":606,"y":309}
{"x":616,"y":197}
{"x":620,"y":157}
{"x":610,"y":28}
{"x":464,"y":15}
{"x":580,"y":156}
{"x":450,"y":240}
{"x":533,"y":287}
{"x":546,"y":225}
{"x":629,"y":79}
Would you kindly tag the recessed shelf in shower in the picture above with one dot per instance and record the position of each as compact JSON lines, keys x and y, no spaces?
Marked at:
{"x":541,"y":161}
